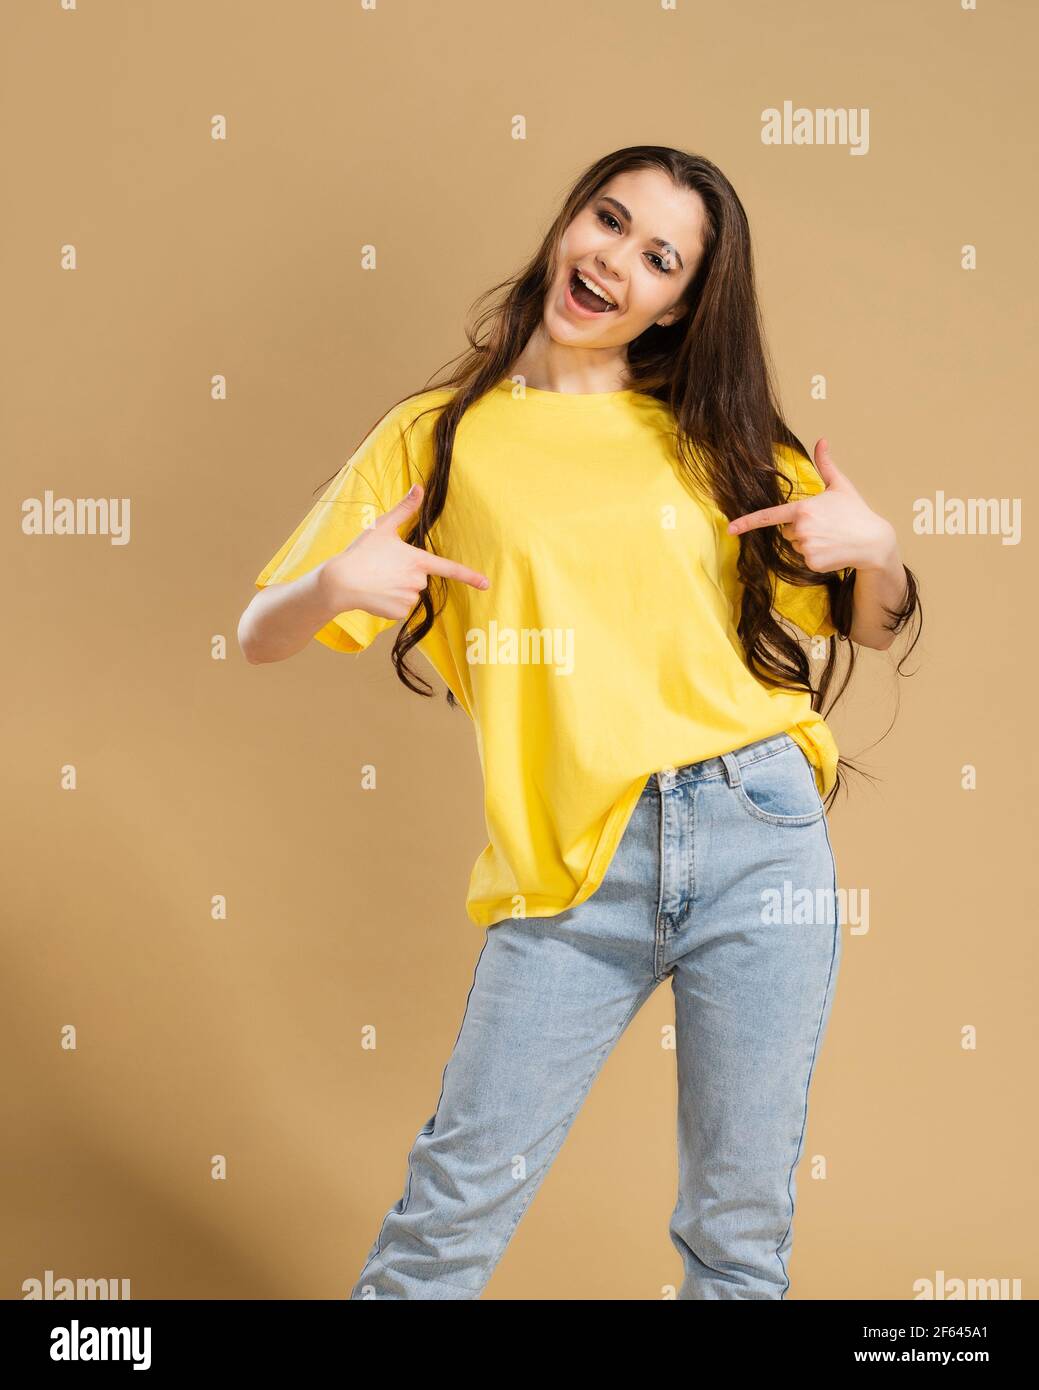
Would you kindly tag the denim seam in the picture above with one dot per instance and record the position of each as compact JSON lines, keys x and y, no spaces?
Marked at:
{"x":768,"y":817}
{"x":779,"y":822}
{"x":741,"y":762}
{"x":811,"y":1066}
{"x":659,"y":921}
{"x":690,"y":849}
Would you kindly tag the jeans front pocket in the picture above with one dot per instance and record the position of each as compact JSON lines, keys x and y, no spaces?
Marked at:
{"x":780,"y":788}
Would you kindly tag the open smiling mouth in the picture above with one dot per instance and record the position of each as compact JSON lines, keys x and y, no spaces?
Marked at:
{"x":588,"y":298}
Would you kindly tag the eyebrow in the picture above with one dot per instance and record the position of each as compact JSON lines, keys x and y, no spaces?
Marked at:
{"x":656,"y":241}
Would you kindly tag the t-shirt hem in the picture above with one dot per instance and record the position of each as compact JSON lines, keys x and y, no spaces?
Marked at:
{"x":612,"y":833}
{"x":820,"y":749}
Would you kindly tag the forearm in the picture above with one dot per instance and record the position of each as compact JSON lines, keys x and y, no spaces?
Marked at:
{"x":281,"y":619}
{"x":878,"y":586}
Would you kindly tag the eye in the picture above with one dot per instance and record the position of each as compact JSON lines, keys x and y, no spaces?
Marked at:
{"x":662,"y":268}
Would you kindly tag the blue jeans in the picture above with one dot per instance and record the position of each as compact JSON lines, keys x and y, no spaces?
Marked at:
{"x":725,"y":880}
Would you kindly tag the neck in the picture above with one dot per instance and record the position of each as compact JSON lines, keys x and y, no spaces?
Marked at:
{"x":546,"y":365}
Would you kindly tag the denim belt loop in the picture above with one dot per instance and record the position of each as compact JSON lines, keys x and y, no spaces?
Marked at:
{"x":732,"y":769}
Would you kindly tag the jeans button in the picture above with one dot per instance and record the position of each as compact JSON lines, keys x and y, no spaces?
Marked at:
{"x":666,"y":776}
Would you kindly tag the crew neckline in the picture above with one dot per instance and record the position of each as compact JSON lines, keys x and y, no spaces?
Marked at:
{"x":569,"y":397}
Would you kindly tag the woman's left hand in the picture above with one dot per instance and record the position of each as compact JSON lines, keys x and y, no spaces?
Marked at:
{"x":832,"y":530}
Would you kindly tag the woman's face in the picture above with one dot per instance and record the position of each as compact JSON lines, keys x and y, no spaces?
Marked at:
{"x":640,"y":239}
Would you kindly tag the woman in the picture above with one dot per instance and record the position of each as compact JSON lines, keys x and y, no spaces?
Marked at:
{"x":616,"y":521}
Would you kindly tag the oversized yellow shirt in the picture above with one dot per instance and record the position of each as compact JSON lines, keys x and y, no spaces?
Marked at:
{"x":606,"y":647}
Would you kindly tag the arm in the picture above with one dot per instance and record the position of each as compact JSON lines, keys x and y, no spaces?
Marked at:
{"x":281,"y":619}
{"x":377,"y":573}
{"x":836,"y":529}
{"x":879,"y":583}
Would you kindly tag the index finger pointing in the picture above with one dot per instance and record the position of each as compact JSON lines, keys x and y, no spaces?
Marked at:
{"x":451,"y":569}
{"x":767,"y":516}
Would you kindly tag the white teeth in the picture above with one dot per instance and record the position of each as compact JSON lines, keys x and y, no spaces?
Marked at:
{"x":596,"y":290}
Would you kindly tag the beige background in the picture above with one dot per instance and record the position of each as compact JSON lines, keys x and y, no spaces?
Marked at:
{"x":198,"y":776}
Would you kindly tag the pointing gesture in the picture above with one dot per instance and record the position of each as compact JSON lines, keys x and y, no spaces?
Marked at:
{"x":383,"y":575}
{"x":833,"y":529}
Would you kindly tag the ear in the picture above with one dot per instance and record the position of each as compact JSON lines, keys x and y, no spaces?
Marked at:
{"x":672,"y":316}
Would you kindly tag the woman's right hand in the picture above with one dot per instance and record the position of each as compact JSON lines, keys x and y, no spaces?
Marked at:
{"x":383,"y":575}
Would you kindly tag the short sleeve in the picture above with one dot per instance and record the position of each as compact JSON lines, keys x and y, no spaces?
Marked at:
{"x":806,"y":606}
{"x":350,"y":504}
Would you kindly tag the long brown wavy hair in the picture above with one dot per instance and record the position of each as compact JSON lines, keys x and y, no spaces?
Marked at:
{"x":711,"y":368}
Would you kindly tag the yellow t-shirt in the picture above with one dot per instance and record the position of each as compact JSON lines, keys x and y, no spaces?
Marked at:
{"x":606,"y":647}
